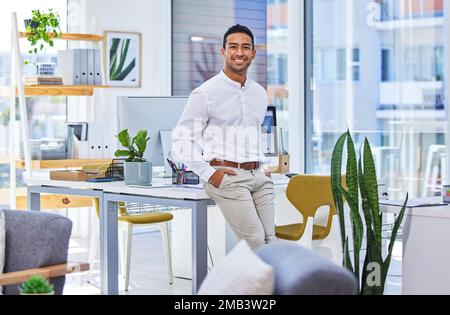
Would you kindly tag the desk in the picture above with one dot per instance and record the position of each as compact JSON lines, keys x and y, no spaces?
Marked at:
{"x":426,"y":253}
{"x":109,"y":194}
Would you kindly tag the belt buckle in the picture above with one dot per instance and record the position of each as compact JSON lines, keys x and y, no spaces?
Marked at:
{"x":239,"y":166}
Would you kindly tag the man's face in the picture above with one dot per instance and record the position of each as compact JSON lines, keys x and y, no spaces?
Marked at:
{"x":238,"y":53}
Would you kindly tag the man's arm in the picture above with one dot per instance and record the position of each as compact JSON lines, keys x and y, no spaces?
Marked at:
{"x":187,"y":137}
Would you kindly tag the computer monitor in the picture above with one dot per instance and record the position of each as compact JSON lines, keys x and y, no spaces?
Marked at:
{"x":156,"y":114}
{"x":269,"y":137}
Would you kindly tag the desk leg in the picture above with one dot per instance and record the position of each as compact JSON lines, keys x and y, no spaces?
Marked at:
{"x":199,"y":244}
{"x":108,"y":248}
{"x":33,"y":200}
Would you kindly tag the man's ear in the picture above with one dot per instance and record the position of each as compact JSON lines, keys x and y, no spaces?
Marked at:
{"x":222,"y":51}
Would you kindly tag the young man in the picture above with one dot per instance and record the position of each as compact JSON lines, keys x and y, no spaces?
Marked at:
{"x":217,"y":137}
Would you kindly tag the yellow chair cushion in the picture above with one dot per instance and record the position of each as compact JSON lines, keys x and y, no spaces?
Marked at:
{"x":147,"y":218}
{"x":291,"y":232}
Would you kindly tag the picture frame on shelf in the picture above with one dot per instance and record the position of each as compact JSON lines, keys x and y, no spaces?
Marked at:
{"x":123,"y":58}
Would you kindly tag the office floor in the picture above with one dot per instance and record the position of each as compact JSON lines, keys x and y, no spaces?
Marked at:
{"x":148,"y":273}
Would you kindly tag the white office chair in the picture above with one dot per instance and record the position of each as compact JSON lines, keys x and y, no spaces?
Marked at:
{"x":159,"y":220}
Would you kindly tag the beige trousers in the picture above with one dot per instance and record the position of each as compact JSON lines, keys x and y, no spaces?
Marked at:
{"x":247,"y":203}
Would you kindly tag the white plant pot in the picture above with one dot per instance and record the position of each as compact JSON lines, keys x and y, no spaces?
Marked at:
{"x":138,"y":173}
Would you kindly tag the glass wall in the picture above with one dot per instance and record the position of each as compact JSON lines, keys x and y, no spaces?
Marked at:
{"x":46,"y":115}
{"x":377,"y":68}
{"x":197,"y":29}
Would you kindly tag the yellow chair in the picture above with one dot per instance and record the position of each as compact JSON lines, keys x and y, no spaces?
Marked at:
{"x":308,"y":193}
{"x":159,"y":220}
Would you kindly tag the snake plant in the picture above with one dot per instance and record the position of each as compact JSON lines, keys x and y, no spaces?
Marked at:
{"x":361,"y":180}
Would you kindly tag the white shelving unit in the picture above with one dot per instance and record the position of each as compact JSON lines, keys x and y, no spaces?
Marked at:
{"x":18,"y":89}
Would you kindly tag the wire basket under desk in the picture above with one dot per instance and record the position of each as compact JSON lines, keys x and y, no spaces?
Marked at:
{"x":134,"y":208}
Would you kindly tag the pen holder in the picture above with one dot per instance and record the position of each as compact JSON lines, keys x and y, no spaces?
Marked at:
{"x":446,"y":194}
{"x":185,"y":178}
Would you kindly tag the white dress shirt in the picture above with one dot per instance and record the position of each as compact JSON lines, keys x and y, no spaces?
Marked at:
{"x":222,"y":120}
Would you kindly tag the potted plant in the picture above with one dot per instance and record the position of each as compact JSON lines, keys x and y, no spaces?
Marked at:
{"x":41,"y":29}
{"x":36,"y":285}
{"x":137,"y":170}
{"x":361,"y":180}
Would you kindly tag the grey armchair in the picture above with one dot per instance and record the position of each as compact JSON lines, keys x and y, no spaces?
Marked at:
{"x":36,"y":243}
{"x":301,"y":271}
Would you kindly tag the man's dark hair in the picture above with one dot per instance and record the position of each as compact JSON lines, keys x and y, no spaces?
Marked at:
{"x":238,"y":28}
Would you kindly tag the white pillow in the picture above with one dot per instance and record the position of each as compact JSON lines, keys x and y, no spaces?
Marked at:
{"x":241,"y":272}
{"x":2,"y":244}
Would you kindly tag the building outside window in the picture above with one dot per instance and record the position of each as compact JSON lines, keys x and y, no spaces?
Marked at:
{"x":398,"y":51}
{"x":197,"y":30}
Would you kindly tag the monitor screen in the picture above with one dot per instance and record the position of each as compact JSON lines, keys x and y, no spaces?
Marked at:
{"x":156,"y":114}
{"x":269,"y":138}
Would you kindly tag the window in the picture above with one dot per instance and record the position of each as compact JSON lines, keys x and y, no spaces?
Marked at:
{"x":332,"y":66}
{"x":46,"y":115}
{"x":197,"y":30}
{"x":399,"y":102}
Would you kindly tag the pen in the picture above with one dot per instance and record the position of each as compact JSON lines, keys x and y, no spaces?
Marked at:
{"x":172,"y":165}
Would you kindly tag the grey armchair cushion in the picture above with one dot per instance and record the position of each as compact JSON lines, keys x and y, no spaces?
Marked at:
{"x":33,"y":240}
{"x":301,"y":271}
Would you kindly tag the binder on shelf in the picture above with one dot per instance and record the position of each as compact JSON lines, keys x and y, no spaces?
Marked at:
{"x":77,"y":67}
{"x":95,"y":140}
{"x":98,"y":77}
{"x":90,"y":66}
{"x":83,"y":66}
{"x":69,"y":64}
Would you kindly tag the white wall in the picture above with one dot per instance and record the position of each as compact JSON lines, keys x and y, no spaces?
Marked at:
{"x":152,"y":18}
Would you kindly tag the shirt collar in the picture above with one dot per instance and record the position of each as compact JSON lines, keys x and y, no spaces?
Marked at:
{"x":236,"y":84}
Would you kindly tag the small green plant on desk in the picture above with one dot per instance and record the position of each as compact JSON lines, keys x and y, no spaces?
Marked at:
{"x":41,"y":29}
{"x":137,"y":170}
{"x":36,"y":285}
{"x":135,"y":148}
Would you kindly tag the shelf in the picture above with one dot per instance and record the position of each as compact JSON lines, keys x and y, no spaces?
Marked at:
{"x":56,"y":202}
{"x":62,"y":90}
{"x":41,"y":164}
{"x":73,"y":36}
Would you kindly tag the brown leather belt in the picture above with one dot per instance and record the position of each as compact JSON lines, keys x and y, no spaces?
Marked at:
{"x":245,"y":166}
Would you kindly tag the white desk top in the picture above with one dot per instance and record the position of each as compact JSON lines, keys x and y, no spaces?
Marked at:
{"x":161,"y":187}
{"x":429,"y":207}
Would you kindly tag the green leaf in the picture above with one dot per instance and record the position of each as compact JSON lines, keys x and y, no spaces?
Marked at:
{"x":351,"y":175}
{"x":371,"y":185}
{"x":336,"y":182}
{"x":357,"y":228}
{"x":397,"y":224}
{"x":119,"y":153}
{"x":141,"y":142}
{"x":124,"y":138}
{"x":347,"y":259}
{"x":364,"y":197}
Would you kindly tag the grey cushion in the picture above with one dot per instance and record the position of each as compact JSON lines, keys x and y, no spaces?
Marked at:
{"x":301,"y":271}
{"x":33,"y":240}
